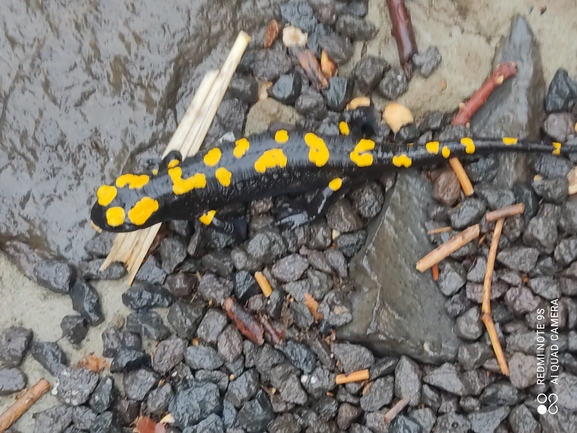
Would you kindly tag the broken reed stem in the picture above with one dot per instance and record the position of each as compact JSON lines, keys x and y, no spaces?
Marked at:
{"x":448,"y":248}
{"x":25,"y":402}
{"x":572,"y":178}
{"x":505,"y":212}
{"x":396,"y":409}
{"x":486,"y":306}
{"x":131,"y":248}
{"x":263,"y":283}
{"x":464,"y":180}
{"x":501,"y":73}
{"x":355,"y":376}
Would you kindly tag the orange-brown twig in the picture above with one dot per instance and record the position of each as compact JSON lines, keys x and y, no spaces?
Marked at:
{"x":505,"y":212}
{"x":396,"y":409}
{"x":355,"y":376}
{"x":20,"y":406}
{"x":464,"y":180}
{"x":439,"y":230}
{"x":486,"y":306}
{"x":313,"y":70}
{"x":435,"y":271}
{"x":572,"y":177}
{"x":246,"y":323}
{"x":313,"y":307}
{"x":448,"y":248}
{"x":501,"y":73}
{"x":263,"y":284}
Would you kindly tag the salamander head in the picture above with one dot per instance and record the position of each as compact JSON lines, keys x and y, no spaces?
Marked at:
{"x":125,"y":205}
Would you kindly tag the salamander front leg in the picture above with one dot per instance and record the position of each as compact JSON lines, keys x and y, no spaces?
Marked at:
{"x":234,"y":226}
{"x":318,"y":205}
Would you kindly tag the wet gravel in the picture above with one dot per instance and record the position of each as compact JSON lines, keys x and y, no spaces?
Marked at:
{"x":199,"y":365}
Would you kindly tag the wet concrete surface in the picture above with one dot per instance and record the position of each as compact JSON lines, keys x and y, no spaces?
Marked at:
{"x":81,"y":98}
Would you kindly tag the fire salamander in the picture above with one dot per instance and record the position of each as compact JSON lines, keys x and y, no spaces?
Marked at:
{"x":266,"y":165}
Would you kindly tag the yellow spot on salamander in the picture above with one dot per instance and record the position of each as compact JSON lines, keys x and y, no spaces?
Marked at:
{"x":469,"y":145}
{"x":360,"y":158}
{"x":134,"y":181}
{"x":182,"y":186}
{"x":212,"y":157}
{"x":115,"y":216}
{"x":173,"y":163}
{"x":206,"y":218}
{"x":106,"y":194}
{"x":281,"y":136}
{"x":270,"y":159}
{"x":319,"y":152}
{"x":336,"y":184}
{"x":223,"y":176}
{"x":557,"y":148}
{"x":402,"y":161}
{"x":155,"y":171}
{"x":432,"y":147}
{"x":344,"y":128}
{"x":142,"y":210}
{"x":242,"y":146}
{"x":446,"y":152}
{"x":508,"y":141}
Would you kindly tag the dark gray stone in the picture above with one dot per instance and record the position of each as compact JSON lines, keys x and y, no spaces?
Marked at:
{"x":138,"y":383}
{"x":408,"y":381}
{"x":128,"y":359}
{"x":14,"y":342}
{"x":74,"y":328}
{"x":75,"y":385}
{"x":168,"y":354}
{"x":521,"y":420}
{"x":11,"y":380}
{"x":185,"y":318}
{"x":514,"y":109}
{"x":447,"y":377}
{"x":53,"y":420}
{"x":392,"y":292}
{"x":393,"y":84}
{"x":85,"y":301}
{"x":144,"y":296}
{"x":562,"y":92}
{"x":256,"y":414}
{"x":379,"y":394}
{"x":49,"y":355}
{"x":369,"y":71}
{"x":103,"y":395}
{"x":487,"y":419}
{"x":271,"y":64}
{"x":55,"y":275}
{"x":148,"y":324}
{"x":427,"y":61}
{"x":518,"y":258}
{"x":195,"y":402}
{"x":451,"y":277}
{"x":452,"y":423}
{"x":355,"y":28}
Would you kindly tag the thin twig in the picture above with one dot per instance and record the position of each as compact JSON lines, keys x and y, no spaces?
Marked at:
{"x":501,"y":73}
{"x":403,"y":33}
{"x":396,"y":409}
{"x":448,"y":248}
{"x":572,"y":178}
{"x":464,"y":180}
{"x":486,"y":306}
{"x":25,"y":402}
{"x":505,"y":212}
{"x":439,"y":230}
{"x":355,"y":376}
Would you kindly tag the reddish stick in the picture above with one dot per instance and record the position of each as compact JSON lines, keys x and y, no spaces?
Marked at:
{"x":246,"y":323}
{"x":403,"y":33}
{"x":23,"y":404}
{"x":501,"y":73}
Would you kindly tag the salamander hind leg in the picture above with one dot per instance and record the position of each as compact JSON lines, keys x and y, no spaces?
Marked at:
{"x":318,"y":206}
{"x":238,"y":227}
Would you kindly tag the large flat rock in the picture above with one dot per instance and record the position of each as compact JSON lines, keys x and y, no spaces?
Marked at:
{"x":398,"y":310}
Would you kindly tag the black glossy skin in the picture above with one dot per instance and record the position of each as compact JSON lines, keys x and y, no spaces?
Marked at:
{"x":298,"y":176}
